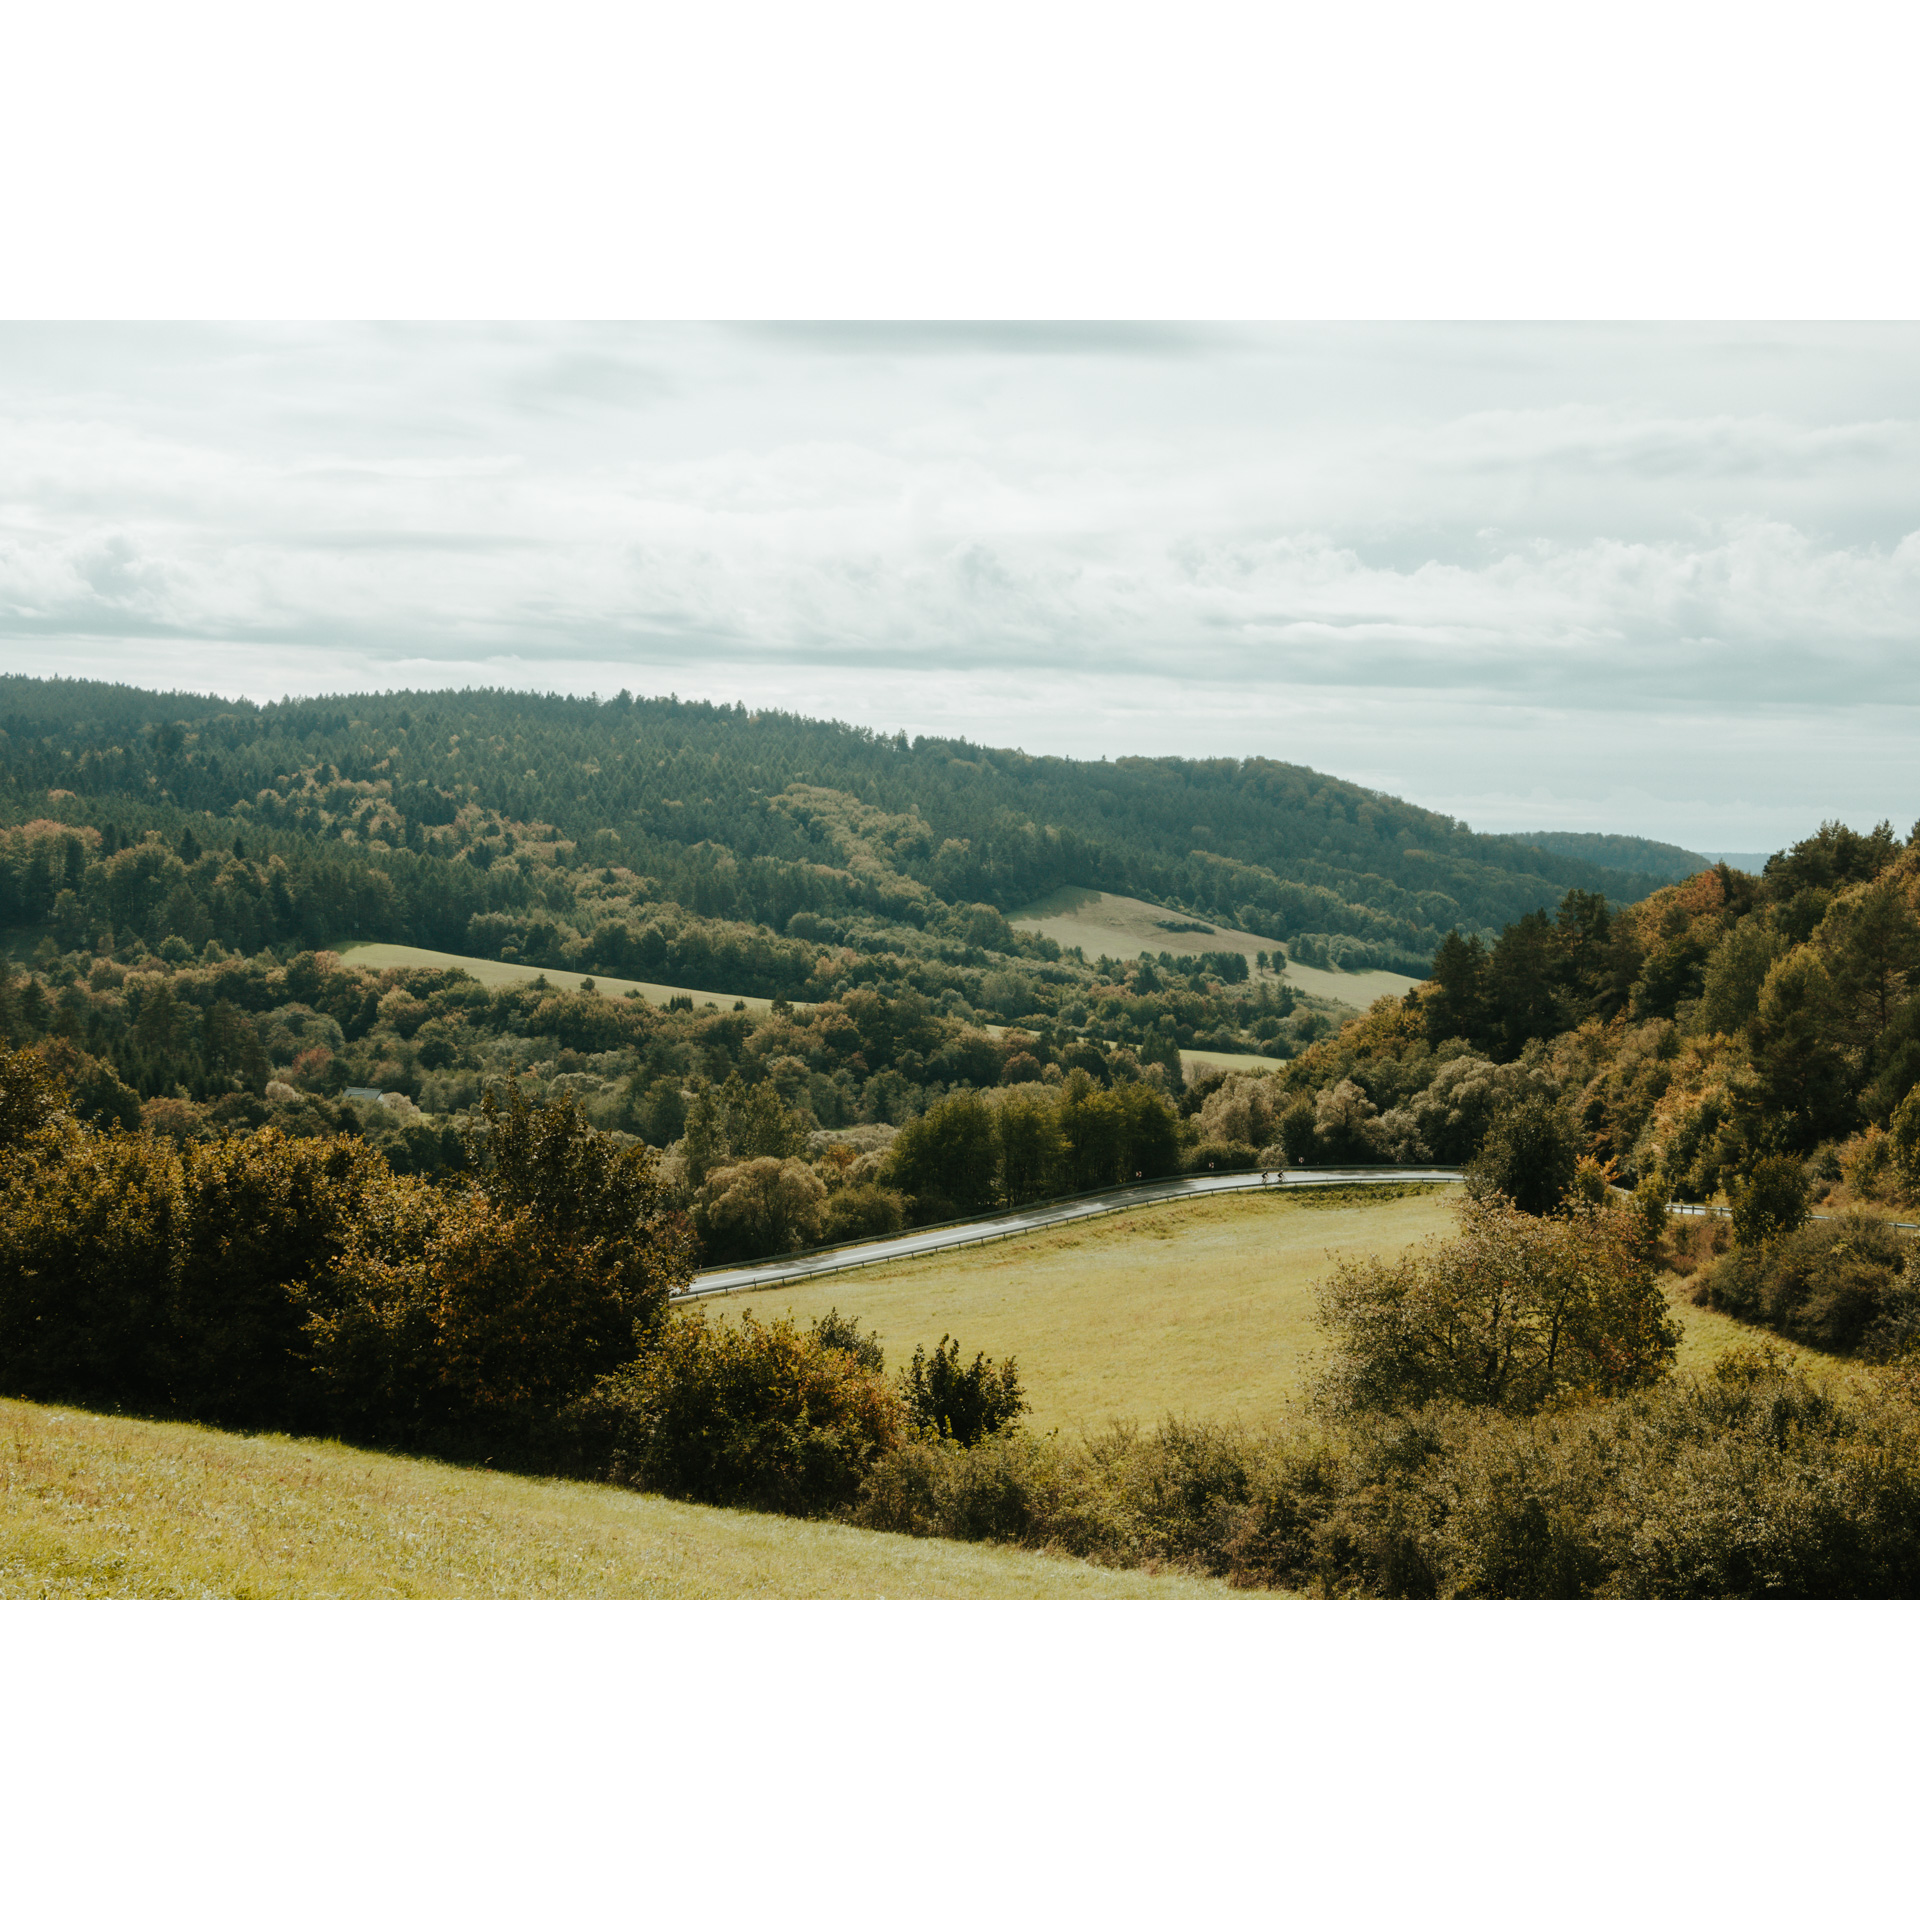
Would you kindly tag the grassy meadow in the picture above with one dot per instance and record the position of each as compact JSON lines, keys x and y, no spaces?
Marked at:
{"x":1115,"y":926}
{"x":378,"y":954}
{"x":1202,"y":1308}
{"x":97,"y":1506}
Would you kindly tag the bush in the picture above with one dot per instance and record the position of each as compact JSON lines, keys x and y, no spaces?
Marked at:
{"x":1220,"y":1156}
{"x":1529,"y":1155}
{"x":1770,"y":1201}
{"x":759,"y":1209}
{"x":862,"y":1212}
{"x":1843,"y":1284}
{"x":1011,"y":1487}
{"x":752,"y":1415}
{"x":1514,"y":1313}
{"x":844,"y":1336}
{"x":961,"y":1403}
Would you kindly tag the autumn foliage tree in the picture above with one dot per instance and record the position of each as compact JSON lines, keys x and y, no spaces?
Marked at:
{"x":1515,"y":1312}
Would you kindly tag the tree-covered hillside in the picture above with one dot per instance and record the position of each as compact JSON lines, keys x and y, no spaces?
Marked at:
{"x":1625,"y":853}
{"x":414,"y":803}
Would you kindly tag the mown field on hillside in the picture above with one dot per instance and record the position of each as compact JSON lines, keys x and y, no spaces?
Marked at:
{"x":98,"y":1507}
{"x":1202,"y":1309}
{"x":1115,"y":926}
{"x":511,"y":973}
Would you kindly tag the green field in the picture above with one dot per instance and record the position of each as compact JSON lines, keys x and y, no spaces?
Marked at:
{"x":95,"y":1506}
{"x":509,"y":973}
{"x":1115,"y":926}
{"x":1202,"y":1308}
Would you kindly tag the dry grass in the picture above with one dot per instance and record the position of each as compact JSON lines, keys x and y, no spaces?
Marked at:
{"x":510,"y":973}
{"x":95,"y":1506}
{"x":1203,"y":1309}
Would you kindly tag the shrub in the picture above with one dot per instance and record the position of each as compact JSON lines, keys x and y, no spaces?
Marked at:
{"x":1220,"y":1156}
{"x":1012,"y":1487}
{"x":961,"y":1403}
{"x":1843,"y":1284}
{"x":1514,"y":1313}
{"x":746,"y":1414}
{"x":1529,"y":1155}
{"x":1770,"y":1201}
{"x":759,"y":1209}
{"x":844,"y":1336}
{"x":862,"y":1212}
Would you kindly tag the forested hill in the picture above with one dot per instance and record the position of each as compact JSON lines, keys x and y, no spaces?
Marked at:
{"x":1623,"y":852}
{"x":757,"y":817}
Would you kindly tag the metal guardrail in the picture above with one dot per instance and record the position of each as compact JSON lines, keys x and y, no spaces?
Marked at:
{"x":1698,"y":1209}
{"x":885,"y":1249}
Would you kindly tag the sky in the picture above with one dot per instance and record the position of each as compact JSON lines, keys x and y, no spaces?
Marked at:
{"x":1659,"y":579}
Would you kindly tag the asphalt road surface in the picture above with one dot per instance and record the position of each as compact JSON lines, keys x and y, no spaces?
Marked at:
{"x":1000,"y":1226}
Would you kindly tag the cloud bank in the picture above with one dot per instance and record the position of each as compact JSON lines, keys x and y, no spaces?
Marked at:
{"x":1661,"y":579}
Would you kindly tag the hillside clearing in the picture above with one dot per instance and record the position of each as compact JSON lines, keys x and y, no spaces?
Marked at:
{"x":1115,"y":926}
{"x":1201,"y":1308}
{"x":98,"y":1506}
{"x":379,"y":955}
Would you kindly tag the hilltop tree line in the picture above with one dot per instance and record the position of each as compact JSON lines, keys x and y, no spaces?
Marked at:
{"x":758,"y":817}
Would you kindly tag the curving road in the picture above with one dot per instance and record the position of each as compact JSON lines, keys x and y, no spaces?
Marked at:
{"x":1001,"y":1226}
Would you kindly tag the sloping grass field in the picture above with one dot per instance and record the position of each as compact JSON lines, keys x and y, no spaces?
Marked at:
{"x":1202,"y":1308}
{"x":1116,"y":926}
{"x":510,"y":973}
{"x":96,"y":1506}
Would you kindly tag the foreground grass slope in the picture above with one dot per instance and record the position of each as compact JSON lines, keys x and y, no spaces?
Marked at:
{"x":97,"y":1506}
{"x":1203,"y":1308}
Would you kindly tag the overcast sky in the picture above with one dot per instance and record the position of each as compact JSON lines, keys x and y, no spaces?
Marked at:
{"x":1659,"y":579}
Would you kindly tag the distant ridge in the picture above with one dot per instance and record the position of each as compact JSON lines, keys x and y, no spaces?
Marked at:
{"x":1626,"y":853}
{"x":445,"y":802}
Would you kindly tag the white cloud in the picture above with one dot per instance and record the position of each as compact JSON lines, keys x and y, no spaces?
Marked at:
{"x":1615,"y":577}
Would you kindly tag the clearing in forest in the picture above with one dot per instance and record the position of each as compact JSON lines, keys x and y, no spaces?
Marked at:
{"x":1115,"y":926}
{"x":378,"y":955}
